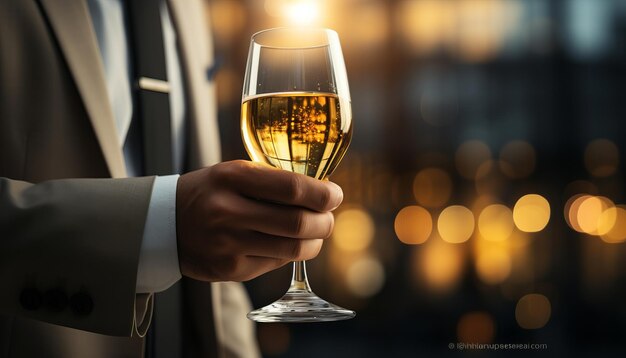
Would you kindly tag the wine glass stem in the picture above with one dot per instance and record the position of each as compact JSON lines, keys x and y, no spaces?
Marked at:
{"x":299,"y":281}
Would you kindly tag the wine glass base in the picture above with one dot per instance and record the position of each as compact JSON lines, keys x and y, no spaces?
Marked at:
{"x":300,"y":306}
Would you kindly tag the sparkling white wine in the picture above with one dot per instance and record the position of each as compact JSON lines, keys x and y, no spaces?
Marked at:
{"x":303,"y":132}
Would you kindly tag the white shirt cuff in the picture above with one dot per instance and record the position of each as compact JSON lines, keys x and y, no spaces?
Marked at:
{"x":158,"y":258}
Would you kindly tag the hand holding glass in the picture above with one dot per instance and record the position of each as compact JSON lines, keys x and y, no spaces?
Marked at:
{"x":296,"y":116}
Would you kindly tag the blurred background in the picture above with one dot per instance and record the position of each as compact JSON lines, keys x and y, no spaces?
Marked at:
{"x":483,"y":188}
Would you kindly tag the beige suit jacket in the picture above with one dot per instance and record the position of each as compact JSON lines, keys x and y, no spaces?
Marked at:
{"x":69,"y":247}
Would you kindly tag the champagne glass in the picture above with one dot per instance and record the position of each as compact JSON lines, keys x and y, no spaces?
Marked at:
{"x":296,"y":116}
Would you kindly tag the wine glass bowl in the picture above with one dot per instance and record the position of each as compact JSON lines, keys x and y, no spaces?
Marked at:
{"x":296,"y":115}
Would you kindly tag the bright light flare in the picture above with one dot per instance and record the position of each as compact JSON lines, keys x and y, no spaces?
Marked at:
{"x":302,"y":13}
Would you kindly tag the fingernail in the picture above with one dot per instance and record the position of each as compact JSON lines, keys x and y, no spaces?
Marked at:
{"x":338,"y":196}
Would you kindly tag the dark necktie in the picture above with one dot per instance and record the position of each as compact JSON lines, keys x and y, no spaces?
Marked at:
{"x":152,"y":88}
{"x":152,"y":115}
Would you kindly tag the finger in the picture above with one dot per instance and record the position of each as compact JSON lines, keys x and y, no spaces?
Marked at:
{"x":281,"y":220}
{"x":268,"y":183}
{"x":257,"y":266}
{"x":278,"y":247}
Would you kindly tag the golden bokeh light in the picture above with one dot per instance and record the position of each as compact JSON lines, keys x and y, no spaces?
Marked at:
{"x":606,"y":220}
{"x":570,"y":210}
{"x":470,"y":156}
{"x":377,"y":30}
{"x":354,"y":230}
{"x":493,"y":264}
{"x":228,"y":18}
{"x":617,"y":233}
{"x":439,"y":264}
{"x":476,"y":327}
{"x":495,"y":222}
{"x":519,"y":240}
{"x":533,"y":311}
{"x":413,"y":225}
{"x":517,"y":159}
{"x":601,"y":157}
{"x":432,"y":187}
{"x":365,"y":277}
{"x":425,"y":25}
{"x":455,"y":224}
{"x":531,"y":213}
{"x":589,"y":214}
{"x":482,"y":27}
{"x":474,"y":29}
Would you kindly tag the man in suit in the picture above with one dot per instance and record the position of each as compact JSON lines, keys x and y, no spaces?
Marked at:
{"x":81,"y":259}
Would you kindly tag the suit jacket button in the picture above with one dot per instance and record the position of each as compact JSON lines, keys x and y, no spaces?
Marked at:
{"x":55,"y":300}
{"x":81,"y":304}
{"x":30,"y":299}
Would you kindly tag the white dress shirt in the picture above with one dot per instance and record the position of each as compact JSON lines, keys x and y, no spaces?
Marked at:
{"x":158,"y":260}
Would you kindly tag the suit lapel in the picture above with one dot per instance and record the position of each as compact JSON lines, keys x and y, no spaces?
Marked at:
{"x":71,"y":24}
